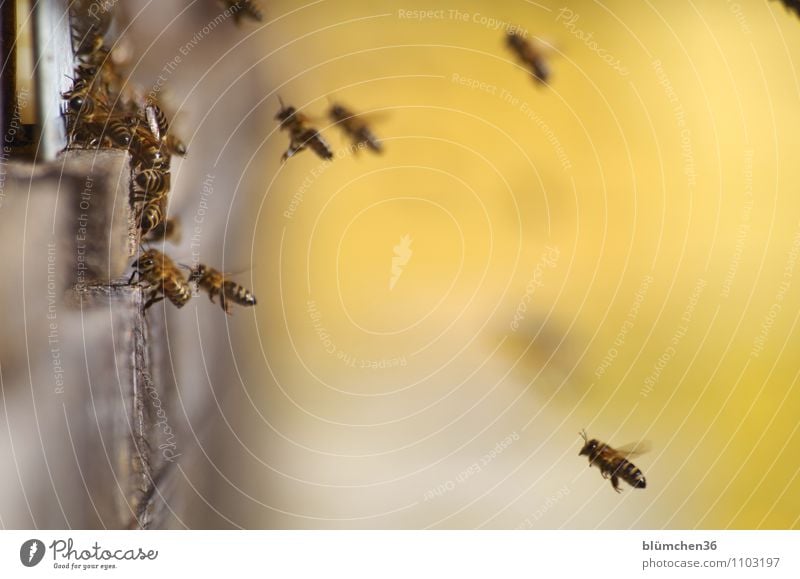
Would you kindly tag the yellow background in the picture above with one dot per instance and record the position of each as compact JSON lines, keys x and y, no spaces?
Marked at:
{"x":482,"y":190}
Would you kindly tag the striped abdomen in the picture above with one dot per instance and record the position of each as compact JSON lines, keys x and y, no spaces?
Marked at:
{"x":628,"y":472}
{"x":176,"y":289}
{"x":119,"y":134}
{"x":238,"y":294}
{"x":151,"y":216}
{"x":154,"y":182}
{"x":307,"y":137}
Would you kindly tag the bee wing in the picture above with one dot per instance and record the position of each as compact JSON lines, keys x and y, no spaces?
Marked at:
{"x":375,"y":116}
{"x":152,"y":121}
{"x":634,"y":449}
{"x":368,"y":117}
{"x":546,"y":45}
{"x":229,"y":275}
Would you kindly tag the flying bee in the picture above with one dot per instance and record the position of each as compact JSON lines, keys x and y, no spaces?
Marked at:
{"x":215,"y":283}
{"x":529,"y":54}
{"x":153,"y":183}
{"x":244,"y":9}
{"x":613,"y":463}
{"x":163,"y":278}
{"x":301,"y":135}
{"x":355,"y":127}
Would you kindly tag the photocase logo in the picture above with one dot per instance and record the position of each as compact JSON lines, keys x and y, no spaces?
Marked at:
{"x":31,"y":552}
{"x":402,"y":253}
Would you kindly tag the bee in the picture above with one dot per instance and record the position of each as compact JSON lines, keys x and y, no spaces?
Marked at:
{"x":146,"y":151}
{"x":214,"y":282}
{"x":97,"y":66}
{"x":91,"y":49}
{"x":355,"y":127}
{"x":87,"y":71}
{"x":118,"y":134}
{"x":530,"y":55}
{"x":244,"y":9}
{"x":614,"y":463}
{"x":153,"y":182}
{"x":163,"y":278}
{"x":85,"y":104}
{"x":151,"y":214}
{"x":85,"y":134}
{"x":159,"y":127}
{"x":300,"y":134}
{"x":88,"y":20}
{"x":156,"y":120}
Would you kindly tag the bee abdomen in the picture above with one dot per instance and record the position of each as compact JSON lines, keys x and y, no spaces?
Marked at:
{"x":239,"y":294}
{"x":158,"y":118}
{"x":317,"y":143}
{"x":119,"y":134}
{"x":150,"y":217}
{"x":153,"y":181}
{"x":628,"y":472}
{"x":371,"y":140}
{"x":177,"y":291}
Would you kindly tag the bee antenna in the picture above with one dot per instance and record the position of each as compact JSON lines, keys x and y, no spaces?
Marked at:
{"x":583,"y":435}
{"x":184,"y":266}
{"x":280,"y":100}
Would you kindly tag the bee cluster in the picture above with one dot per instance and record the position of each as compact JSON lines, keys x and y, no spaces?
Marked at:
{"x":103,"y":111}
{"x":303,"y":136}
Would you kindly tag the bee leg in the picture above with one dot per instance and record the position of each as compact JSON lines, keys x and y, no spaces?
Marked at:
{"x":153,"y":300}
{"x":211,"y":293}
{"x":237,"y":16}
{"x":615,"y":483}
{"x":290,"y":151}
{"x":130,"y":279}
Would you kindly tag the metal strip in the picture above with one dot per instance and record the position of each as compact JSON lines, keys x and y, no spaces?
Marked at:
{"x":52,"y":65}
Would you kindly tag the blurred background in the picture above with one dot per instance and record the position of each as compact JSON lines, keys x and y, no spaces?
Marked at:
{"x":615,"y":250}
